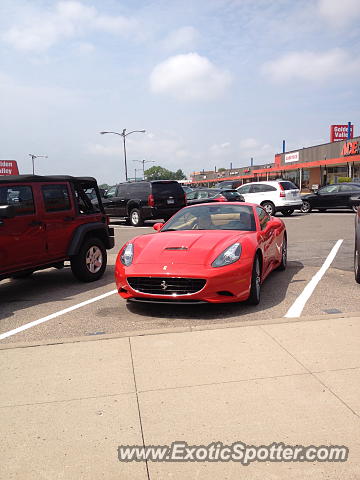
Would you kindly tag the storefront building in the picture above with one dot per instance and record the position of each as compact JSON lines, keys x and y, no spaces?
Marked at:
{"x":308,"y":167}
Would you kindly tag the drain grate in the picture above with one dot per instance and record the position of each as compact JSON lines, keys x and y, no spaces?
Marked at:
{"x":332,"y":310}
{"x":95,"y":333}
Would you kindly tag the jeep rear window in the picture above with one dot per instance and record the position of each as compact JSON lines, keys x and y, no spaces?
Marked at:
{"x":288,"y":186}
{"x":20,"y":196}
{"x":56,"y":198}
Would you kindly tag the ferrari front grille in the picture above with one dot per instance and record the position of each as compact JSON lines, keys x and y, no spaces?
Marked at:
{"x":166,"y":285}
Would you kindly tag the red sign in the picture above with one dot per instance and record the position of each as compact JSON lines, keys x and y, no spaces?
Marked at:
{"x":8,"y":167}
{"x":350,"y":148}
{"x":340,"y":132}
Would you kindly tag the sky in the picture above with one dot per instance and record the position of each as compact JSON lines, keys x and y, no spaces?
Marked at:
{"x":213,"y":82}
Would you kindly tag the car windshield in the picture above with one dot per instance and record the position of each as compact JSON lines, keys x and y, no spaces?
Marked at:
{"x":209,"y":217}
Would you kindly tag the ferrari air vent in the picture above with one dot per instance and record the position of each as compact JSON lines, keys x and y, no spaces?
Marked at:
{"x":176,"y":248}
{"x":166,"y":285}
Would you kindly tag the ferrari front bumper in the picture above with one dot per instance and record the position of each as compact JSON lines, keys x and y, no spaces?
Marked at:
{"x":226,"y":284}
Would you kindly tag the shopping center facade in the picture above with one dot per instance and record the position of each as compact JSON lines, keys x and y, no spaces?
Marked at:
{"x":308,"y":167}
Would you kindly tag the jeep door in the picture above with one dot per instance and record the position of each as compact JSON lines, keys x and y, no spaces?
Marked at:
{"x":58,"y":214}
{"x":22,"y":238}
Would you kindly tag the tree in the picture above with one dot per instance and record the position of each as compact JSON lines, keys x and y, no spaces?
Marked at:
{"x":160,"y":173}
{"x":105,"y":186}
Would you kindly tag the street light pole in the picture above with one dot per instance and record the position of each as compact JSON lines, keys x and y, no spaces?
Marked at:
{"x":124,"y":135}
{"x":143,"y":165}
{"x":33,"y":158}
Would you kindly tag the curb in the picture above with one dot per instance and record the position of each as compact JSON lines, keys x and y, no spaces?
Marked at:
{"x":169,"y":330}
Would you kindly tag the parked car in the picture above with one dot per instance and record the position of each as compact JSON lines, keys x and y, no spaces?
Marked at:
{"x":45,"y":221}
{"x":275,"y":196}
{"x":355,"y":202}
{"x":140,"y":201}
{"x":205,"y":253}
{"x":229,"y":184}
{"x":331,"y":196}
{"x":203,"y":195}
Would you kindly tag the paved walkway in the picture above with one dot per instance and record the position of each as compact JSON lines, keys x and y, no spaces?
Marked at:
{"x":65,"y":408}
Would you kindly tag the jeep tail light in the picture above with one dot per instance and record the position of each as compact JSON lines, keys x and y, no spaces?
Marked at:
{"x":282,"y":192}
{"x":151,"y":200}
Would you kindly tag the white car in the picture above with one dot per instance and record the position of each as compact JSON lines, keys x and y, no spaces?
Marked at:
{"x":275,"y":196}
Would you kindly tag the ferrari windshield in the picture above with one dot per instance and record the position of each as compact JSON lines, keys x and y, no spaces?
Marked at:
{"x":213,"y":217}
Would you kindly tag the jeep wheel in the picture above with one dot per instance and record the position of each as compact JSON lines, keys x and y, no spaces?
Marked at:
{"x":90,"y":263}
{"x":136,"y":219}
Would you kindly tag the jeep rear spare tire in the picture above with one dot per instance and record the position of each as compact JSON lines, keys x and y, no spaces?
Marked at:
{"x":90,"y":263}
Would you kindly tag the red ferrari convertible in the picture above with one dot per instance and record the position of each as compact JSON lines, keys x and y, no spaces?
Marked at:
{"x":204,"y":253}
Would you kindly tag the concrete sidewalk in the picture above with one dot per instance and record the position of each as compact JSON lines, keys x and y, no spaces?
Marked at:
{"x":65,"y":408}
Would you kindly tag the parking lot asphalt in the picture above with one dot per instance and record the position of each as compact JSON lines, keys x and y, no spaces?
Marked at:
{"x":311,"y":237}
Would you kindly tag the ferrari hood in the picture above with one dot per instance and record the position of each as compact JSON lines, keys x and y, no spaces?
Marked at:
{"x":186,"y":247}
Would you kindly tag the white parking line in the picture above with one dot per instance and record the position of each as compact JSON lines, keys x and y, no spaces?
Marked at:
{"x":54,"y":315}
{"x":297,"y":307}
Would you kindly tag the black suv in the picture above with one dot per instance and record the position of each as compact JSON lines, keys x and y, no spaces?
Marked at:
{"x":139,"y":201}
{"x":45,"y":221}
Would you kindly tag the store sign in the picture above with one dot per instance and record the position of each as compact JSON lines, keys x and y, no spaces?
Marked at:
{"x":350,"y":148}
{"x":340,"y":132}
{"x":8,"y":167}
{"x":292,"y":157}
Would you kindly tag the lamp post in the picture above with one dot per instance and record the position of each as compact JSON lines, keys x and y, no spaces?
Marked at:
{"x":143,"y":165}
{"x":33,"y":158}
{"x":124,"y":135}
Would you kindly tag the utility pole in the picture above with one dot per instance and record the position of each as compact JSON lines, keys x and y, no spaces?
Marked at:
{"x":33,"y":160}
{"x":143,"y":165}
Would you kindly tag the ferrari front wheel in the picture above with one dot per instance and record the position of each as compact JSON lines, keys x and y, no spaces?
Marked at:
{"x":254,"y":297}
{"x":283,"y":262}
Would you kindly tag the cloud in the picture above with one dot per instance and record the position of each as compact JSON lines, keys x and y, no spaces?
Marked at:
{"x":181,"y":39}
{"x":339,"y":14}
{"x":189,"y":77}
{"x":69,"y":19}
{"x":311,"y":66}
{"x":220,"y":150}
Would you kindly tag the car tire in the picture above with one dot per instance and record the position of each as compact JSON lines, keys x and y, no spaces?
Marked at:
{"x":287,"y":212}
{"x":306,"y":207}
{"x":283,"y":262}
{"x":136,"y":219}
{"x":269,"y":207}
{"x":254,"y":296}
{"x":357,"y":264}
{"x":90,"y":263}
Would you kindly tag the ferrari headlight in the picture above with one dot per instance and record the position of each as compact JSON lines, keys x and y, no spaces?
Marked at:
{"x":228,"y":256}
{"x":127,"y":255}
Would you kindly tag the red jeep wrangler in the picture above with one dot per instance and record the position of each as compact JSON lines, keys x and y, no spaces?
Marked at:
{"x":45,"y":221}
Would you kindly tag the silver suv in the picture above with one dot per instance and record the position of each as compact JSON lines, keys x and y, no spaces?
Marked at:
{"x":275,"y":196}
